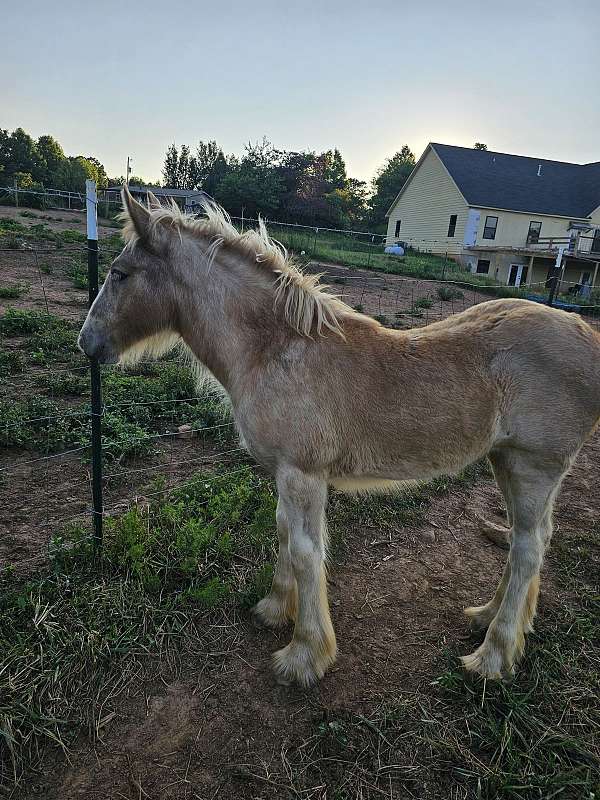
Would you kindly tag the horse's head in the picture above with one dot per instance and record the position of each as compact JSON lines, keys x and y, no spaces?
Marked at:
{"x":135,"y":310}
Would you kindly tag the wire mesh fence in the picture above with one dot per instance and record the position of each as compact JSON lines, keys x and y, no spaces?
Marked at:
{"x":157,"y":431}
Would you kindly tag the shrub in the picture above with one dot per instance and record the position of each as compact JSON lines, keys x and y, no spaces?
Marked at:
{"x":11,"y":362}
{"x":11,"y":292}
{"x":423,"y":302}
{"x":449,"y":293}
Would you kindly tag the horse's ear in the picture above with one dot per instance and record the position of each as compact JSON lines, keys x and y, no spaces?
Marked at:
{"x":138,"y":215}
{"x":153,"y":201}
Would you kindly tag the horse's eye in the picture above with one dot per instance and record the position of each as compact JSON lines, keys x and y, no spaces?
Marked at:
{"x":117,"y":275}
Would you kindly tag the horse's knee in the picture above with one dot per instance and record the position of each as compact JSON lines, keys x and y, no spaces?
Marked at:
{"x":526,"y":554}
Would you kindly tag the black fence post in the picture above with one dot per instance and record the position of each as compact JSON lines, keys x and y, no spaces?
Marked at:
{"x":96,"y":384}
{"x":555,"y":279}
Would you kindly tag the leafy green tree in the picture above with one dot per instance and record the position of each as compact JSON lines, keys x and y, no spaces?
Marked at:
{"x":74,"y":171}
{"x":96,"y":171}
{"x":21,"y":155}
{"x":480,"y":146}
{"x":4,"y":153}
{"x":333,"y":168}
{"x":388,"y":181}
{"x":252,"y":185}
{"x":349,"y":203}
{"x":170,"y":169}
{"x":52,"y":155}
{"x":208,"y":154}
{"x":218,"y":170}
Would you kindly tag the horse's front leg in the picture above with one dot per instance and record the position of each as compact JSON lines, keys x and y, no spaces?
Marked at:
{"x":302,"y":500}
{"x":279,"y":606}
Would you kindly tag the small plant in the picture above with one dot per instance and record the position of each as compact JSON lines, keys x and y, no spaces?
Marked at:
{"x":72,"y":237}
{"x":360,"y":308}
{"x":21,"y":322}
{"x":79,"y":275}
{"x":381,"y":318}
{"x":11,"y":292}
{"x":11,"y":362}
{"x":449,"y":293}
{"x":423,"y":302}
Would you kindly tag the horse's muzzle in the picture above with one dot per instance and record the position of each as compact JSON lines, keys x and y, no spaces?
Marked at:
{"x":96,"y":347}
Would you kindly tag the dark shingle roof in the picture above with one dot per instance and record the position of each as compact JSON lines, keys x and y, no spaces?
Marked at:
{"x":500,"y":180}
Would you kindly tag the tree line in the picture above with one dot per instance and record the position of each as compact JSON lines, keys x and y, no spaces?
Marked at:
{"x":38,"y":163}
{"x":304,"y":187}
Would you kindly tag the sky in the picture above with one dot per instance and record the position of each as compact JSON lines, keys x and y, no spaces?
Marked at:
{"x":117,"y":79}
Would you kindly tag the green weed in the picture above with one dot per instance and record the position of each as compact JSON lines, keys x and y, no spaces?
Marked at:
{"x":11,"y":292}
{"x":80,"y":632}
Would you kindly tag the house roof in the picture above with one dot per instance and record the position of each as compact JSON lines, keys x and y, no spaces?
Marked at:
{"x":500,"y":180}
{"x":162,"y":191}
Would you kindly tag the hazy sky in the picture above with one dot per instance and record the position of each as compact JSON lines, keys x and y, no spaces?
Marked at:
{"x":113,"y":79}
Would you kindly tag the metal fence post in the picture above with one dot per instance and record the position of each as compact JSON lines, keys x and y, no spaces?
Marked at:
{"x":91,"y":205}
{"x":555,"y":279}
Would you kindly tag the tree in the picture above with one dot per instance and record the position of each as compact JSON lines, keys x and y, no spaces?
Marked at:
{"x":170,"y":169}
{"x":207,"y":156}
{"x":252,"y":184}
{"x":74,"y":171}
{"x":332,"y":168}
{"x":52,"y":155}
{"x":98,"y":173}
{"x":219,"y":169}
{"x":388,"y":181}
{"x":20,"y":154}
{"x":349,"y":202}
{"x":480,"y":146}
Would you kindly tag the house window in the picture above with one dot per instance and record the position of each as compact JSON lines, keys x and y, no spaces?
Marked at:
{"x":452,"y":225}
{"x":397,"y":231}
{"x":483,"y":266}
{"x":489,"y":229}
{"x":595,"y":248}
{"x":535,"y":228}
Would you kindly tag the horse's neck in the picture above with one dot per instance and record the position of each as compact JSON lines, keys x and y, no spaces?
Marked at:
{"x":228,"y":324}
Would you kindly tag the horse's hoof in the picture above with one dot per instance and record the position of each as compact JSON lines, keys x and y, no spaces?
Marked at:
{"x":498,"y":534}
{"x":297,"y":663}
{"x":480,"y":618}
{"x":269,"y":613}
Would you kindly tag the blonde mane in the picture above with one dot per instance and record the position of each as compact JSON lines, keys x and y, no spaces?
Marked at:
{"x":306,"y":305}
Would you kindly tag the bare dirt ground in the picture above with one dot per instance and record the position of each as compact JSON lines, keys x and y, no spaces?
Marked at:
{"x":58,"y":220}
{"x":223,"y":727}
{"x":395,"y":298}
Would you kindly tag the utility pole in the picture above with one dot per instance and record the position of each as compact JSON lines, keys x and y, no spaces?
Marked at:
{"x":128,"y":173}
{"x":16,"y":194}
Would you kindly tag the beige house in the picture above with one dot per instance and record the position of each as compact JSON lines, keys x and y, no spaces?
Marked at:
{"x":509,"y":217}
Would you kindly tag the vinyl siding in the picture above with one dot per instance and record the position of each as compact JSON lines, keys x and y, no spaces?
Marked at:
{"x":425,"y":207}
{"x":513,"y":228}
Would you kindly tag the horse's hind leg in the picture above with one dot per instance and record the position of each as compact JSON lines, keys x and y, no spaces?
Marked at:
{"x":313,"y":647}
{"x":498,"y":534}
{"x":279,"y":606}
{"x":481,"y":616}
{"x":532,"y":490}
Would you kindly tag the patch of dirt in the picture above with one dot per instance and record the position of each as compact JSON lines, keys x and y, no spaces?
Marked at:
{"x":396,"y":605}
{"x":395,"y":297}
{"x":56,"y":219}
{"x":39,"y":499}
